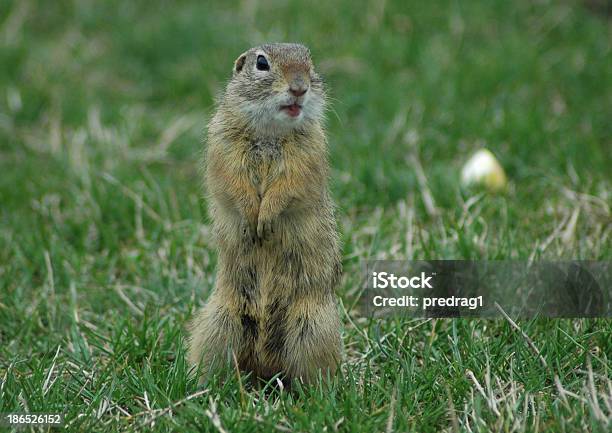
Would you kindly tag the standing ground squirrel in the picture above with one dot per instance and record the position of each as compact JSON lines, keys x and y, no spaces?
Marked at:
{"x":273,"y":306}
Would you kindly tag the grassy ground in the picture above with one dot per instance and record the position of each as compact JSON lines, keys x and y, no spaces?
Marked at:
{"x":105,"y":247}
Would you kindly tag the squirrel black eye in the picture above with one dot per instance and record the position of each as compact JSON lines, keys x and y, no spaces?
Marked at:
{"x":262,"y":63}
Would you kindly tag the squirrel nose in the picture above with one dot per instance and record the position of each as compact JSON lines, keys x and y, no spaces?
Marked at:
{"x":298,"y":90}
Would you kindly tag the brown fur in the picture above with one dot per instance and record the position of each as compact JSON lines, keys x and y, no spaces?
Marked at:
{"x":273,"y":306}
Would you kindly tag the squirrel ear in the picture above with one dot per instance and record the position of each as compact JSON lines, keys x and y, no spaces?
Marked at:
{"x":239,"y":63}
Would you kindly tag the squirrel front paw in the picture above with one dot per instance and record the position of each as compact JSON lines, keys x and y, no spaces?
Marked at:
{"x":248,"y":230}
{"x":265,"y":229}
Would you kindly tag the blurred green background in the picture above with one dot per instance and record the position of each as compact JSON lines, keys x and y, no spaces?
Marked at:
{"x":105,"y":247}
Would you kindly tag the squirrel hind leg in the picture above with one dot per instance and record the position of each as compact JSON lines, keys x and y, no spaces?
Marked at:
{"x":214,"y":336}
{"x":313,"y":343}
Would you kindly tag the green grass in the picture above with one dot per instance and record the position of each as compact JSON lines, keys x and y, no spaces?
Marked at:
{"x":105,"y":247}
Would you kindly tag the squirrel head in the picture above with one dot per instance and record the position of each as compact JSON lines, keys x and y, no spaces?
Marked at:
{"x":276,"y":89}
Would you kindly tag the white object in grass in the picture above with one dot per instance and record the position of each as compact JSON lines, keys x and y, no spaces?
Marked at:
{"x":482,"y":169}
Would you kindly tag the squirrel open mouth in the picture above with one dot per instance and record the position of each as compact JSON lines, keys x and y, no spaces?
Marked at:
{"x":292,"y":110}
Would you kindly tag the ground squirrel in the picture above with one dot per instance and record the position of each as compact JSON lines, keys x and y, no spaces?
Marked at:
{"x":273,"y":307}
